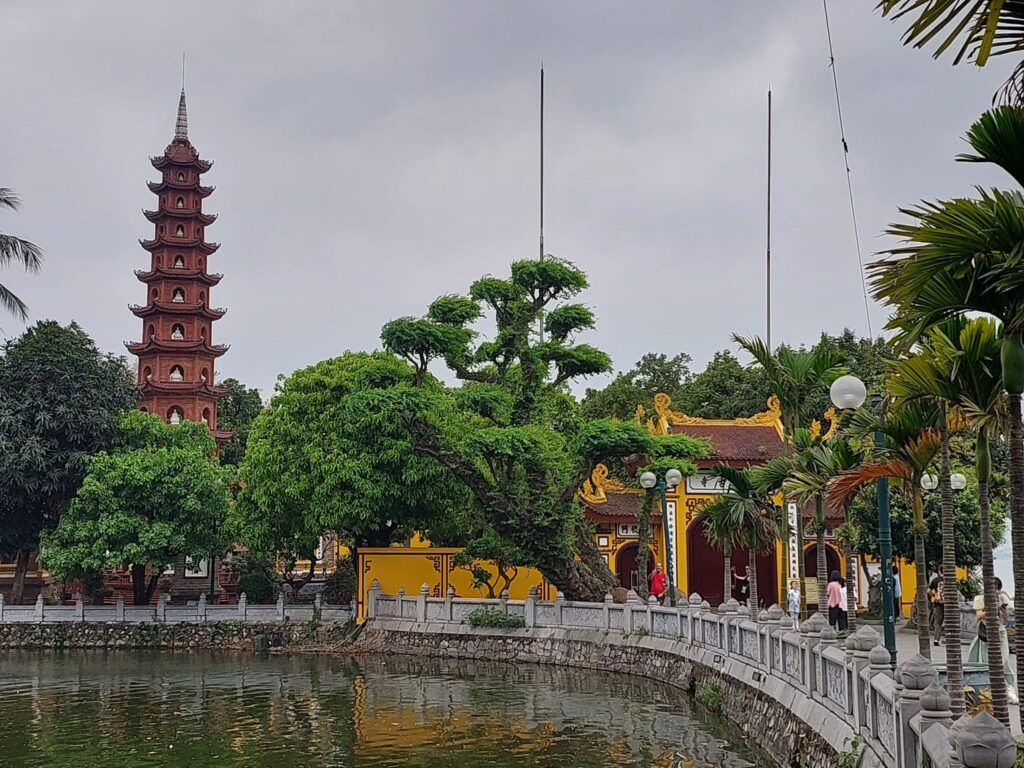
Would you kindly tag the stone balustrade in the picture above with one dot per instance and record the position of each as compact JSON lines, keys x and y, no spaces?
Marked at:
{"x":164,"y":612}
{"x":901,"y":717}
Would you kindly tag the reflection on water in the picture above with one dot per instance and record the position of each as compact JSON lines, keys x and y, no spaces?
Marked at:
{"x":115,"y":710}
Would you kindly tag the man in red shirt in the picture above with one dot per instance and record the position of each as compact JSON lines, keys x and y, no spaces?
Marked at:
{"x":659,"y":583}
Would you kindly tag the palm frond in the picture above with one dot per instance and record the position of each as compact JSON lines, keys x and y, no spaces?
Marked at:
{"x":976,"y":28}
{"x":9,"y":199}
{"x":841,"y":489}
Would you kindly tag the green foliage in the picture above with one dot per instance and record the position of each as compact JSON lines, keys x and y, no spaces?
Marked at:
{"x":492,"y":618}
{"x":331,"y":453}
{"x":258,"y":587}
{"x":850,"y":756}
{"x":652,"y":374}
{"x":15,"y":250}
{"x":159,"y":496}
{"x":60,"y":402}
{"x":709,"y":695}
{"x":236,"y":412}
{"x":725,"y":389}
{"x":512,"y":436}
{"x":340,"y":587}
{"x":503,"y":562}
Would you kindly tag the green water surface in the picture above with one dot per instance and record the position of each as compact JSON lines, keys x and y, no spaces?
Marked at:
{"x":177,"y":710}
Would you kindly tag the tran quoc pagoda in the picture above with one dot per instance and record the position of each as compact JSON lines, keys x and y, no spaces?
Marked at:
{"x":177,"y":355}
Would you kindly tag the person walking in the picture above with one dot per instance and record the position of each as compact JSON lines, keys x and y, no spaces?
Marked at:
{"x":794,"y":604}
{"x":843,"y":597}
{"x":659,"y":583}
{"x":897,"y":593}
{"x":834,"y":592}
{"x":937,"y":609}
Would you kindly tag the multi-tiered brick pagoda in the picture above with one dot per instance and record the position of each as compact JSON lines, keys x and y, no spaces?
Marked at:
{"x":177,"y":355}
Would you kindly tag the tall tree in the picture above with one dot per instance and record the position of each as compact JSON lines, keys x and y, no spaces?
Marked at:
{"x":725,"y":389}
{"x":237,"y":412}
{"x":314,"y":465}
{"x":653,"y":373}
{"x":158,"y":495}
{"x":14,"y":250}
{"x":964,"y":255}
{"x":526,"y":451}
{"x":60,"y":402}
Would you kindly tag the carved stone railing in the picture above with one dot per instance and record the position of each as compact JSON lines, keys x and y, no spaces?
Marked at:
{"x":901,"y":717}
{"x":164,"y":612}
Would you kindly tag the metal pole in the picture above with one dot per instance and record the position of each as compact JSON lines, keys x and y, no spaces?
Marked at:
{"x":885,"y":553}
{"x":768,"y":234}
{"x":669,"y":566}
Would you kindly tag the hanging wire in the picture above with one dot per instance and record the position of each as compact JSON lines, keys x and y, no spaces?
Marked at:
{"x":849,"y":175}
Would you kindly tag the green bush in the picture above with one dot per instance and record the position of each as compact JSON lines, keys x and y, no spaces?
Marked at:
{"x":495,"y":619}
{"x":258,"y":587}
{"x":709,"y":696}
{"x":340,"y":587}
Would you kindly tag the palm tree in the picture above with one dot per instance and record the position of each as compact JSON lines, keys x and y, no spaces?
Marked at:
{"x":14,"y":250}
{"x":931,"y":375}
{"x":964,"y":255}
{"x":911,"y":444}
{"x":742,"y":516}
{"x":795,"y":377}
{"x":978,"y":29}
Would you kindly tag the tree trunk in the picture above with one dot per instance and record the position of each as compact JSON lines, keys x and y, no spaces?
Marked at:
{"x":852,"y":579}
{"x":727,"y":584}
{"x":1016,"y":524}
{"x":140,"y":594}
{"x":822,"y":561}
{"x":586,"y":577}
{"x":950,"y":593}
{"x":997,"y":680}
{"x":753,"y":603}
{"x":20,"y":569}
{"x":921,"y":567}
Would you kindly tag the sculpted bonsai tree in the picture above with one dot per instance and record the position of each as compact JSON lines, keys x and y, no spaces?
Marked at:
{"x":512,"y":434}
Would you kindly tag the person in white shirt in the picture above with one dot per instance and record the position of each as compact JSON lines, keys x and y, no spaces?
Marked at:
{"x":978,"y":652}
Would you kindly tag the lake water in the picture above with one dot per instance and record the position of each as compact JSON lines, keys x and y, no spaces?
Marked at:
{"x":175,"y":710}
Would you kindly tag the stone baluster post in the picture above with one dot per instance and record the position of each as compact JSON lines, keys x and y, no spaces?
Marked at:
{"x":281,"y":614}
{"x":652,"y":601}
{"x":559,"y":602}
{"x":318,"y":606}
{"x":201,"y":606}
{"x":79,"y":609}
{"x":118,"y":610}
{"x":692,"y":608}
{"x":606,"y":614}
{"x":810,"y":636}
{"x":503,"y":601}
{"x":1,"y":608}
{"x":39,"y":609}
{"x":633,"y":603}
{"x":243,"y":606}
{"x":421,"y":603}
{"x":981,"y":741}
{"x":727,"y":618}
{"x":371,"y":599}
{"x":161,"y":607}
{"x":858,"y":647}
{"x":449,"y":596}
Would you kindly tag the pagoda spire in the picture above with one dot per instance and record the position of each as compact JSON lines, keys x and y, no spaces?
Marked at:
{"x":181,"y":126}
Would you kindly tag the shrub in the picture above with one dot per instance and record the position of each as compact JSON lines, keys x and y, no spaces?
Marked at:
{"x":258,"y":587}
{"x":495,"y":619}
{"x":340,"y":587}
{"x":709,"y":696}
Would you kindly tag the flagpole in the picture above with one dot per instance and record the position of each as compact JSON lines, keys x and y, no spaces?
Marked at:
{"x":768,"y":233}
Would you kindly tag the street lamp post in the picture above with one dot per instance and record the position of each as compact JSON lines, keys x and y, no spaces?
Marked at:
{"x":850,"y":392}
{"x":650,"y":481}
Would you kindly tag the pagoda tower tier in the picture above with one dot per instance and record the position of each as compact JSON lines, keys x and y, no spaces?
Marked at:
{"x":177,"y":355}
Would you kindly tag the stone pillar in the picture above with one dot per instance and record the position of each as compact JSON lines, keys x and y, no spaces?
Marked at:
{"x":632,"y":604}
{"x":421,"y":602}
{"x":201,"y":606}
{"x":79,"y":610}
{"x":371,"y":599}
{"x":1,"y":608}
{"x":559,"y":601}
{"x":281,"y":615}
{"x":652,"y":601}
{"x":38,"y":615}
{"x":118,"y":610}
{"x":449,"y":596}
{"x":858,"y":648}
{"x":982,"y":742}
{"x":606,"y":614}
{"x":913,"y":677}
{"x":318,"y":602}
{"x":161,"y":607}
{"x":810,"y":636}
{"x":692,"y":607}
{"x":503,"y":601}
{"x":243,"y":606}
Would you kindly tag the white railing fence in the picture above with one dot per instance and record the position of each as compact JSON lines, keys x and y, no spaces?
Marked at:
{"x":164,"y":612}
{"x":902,"y":716}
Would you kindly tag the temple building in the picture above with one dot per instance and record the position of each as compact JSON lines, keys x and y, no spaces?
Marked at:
{"x":696,"y":565}
{"x":177,"y":356}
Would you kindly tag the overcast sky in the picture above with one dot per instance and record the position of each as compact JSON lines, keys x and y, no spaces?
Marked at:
{"x":372,"y":155}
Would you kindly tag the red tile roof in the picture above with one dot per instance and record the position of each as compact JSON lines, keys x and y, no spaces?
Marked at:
{"x":735,"y":442}
{"x":617,"y":505}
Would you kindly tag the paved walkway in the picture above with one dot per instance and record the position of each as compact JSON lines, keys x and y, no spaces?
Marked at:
{"x":906,"y":646}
